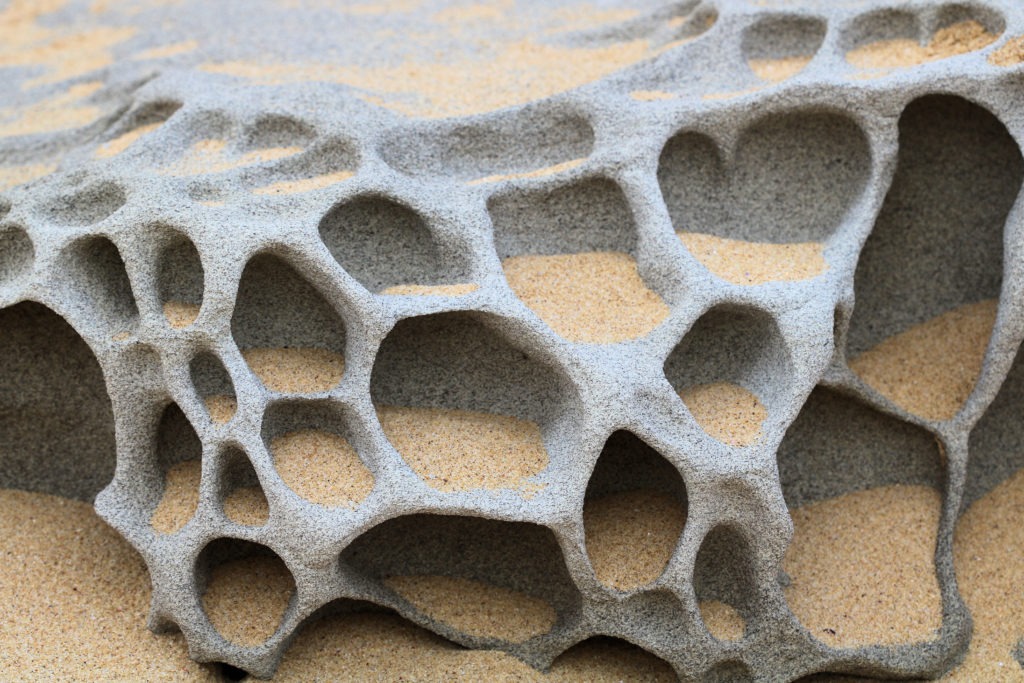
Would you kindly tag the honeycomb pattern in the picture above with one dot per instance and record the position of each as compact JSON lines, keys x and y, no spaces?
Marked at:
{"x":378,"y":359}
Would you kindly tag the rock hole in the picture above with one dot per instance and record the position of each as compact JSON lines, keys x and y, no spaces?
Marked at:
{"x":313,"y":453}
{"x":729,"y":672}
{"x":918,"y":333}
{"x":245,"y":589}
{"x":504,"y":581}
{"x":98,"y":291}
{"x":277,"y":130}
{"x":779,"y":47}
{"x":139,"y":122}
{"x":605,"y":658}
{"x":495,"y":404}
{"x":725,"y":370}
{"x":56,"y":423}
{"x":326,"y":164}
{"x":241,"y":496}
{"x":179,"y":454}
{"x":633,"y":513}
{"x":180,"y":280}
{"x":724,"y":581}
{"x":214,"y":386}
{"x":570,"y":255}
{"x":88,"y":206}
{"x":16,"y":253}
{"x":290,"y":336}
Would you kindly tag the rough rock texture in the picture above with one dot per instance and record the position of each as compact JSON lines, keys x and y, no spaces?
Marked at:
{"x":268,"y":197}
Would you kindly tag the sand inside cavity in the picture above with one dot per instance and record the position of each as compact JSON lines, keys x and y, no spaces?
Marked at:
{"x":296,"y":370}
{"x":651,"y":95}
{"x":180,"y":498}
{"x":432,"y":290}
{"x":221,"y":408}
{"x":726,"y":412}
{"x":754,"y":263}
{"x":122,"y":142}
{"x":180,"y":315}
{"x":476,"y":608}
{"x":1009,"y":54}
{"x":245,"y":599}
{"x":862,"y":567}
{"x":209,"y":156}
{"x":595,"y":297}
{"x":247,"y":505}
{"x":462,"y":450}
{"x":930,"y":369}
{"x":957,"y":39}
{"x":779,"y":69}
{"x":538,"y":173}
{"x":305,"y":184}
{"x":321,"y":467}
{"x":75,"y":598}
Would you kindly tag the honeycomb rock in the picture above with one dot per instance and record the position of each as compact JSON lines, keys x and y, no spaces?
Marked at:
{"x":375,"y":336}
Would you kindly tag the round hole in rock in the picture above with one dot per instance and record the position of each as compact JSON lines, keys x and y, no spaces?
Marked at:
{"x":724,"y":582}
{"x":136,"y":124}
{"x":179,"y":455}
{"x":242,"y":498}
{"x":87,"y":206}
{"x":179,"y":280}
{"x":56,"y":423}
{"x":214,"y":386}
{"x":16,"y":253}
{"x":245,"y":589}
{"x":779,"y":47}
{"x":98,"y":292}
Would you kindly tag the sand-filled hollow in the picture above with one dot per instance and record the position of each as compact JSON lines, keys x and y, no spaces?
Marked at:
{"x":246,"y":599}
{"x":321,"y":467}
{"x":930,"y":369}
{"x":180,"y":498}
{"x":296,"y":371}
{"x":477,"y":608}
{"x":726,"y":412}
{"x":631,"y":536}
{"x":247,"y":505}
{"x":862,"y":567}
{"x":755,"y":263}
{"x":595,"y":297}
{"x":211,"y":156}
{"x":221,"y":408}
{"x":779,"y":69}
{"x":957,"y":39}
{"x":319,"y":182}
{"x":431,"y":290}
{"x":536,"y":173}
{"x":180,"y":315}
{"x":461,"y":450}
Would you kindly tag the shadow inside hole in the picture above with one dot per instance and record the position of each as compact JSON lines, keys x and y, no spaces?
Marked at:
{"x":87,"y":206}
{"x":56,"y":423}
{"x":16,"y":252}
{"x":97,"y":287}
{"x":612,"y":656}
{"x":238,"y":489}
{"x":780,"y":46}
{"x":179,"y":455}
{"x":723,"y":572}
{"x":180,"y":272}
{"x":214,"y":386}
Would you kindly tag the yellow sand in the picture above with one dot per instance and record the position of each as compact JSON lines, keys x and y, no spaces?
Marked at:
{"x":209,"y":156}
{"x":432,"y":290}
{"x":862,"y":567}
{"x":296,"y":371}
{"x":305,"y":184}
{"x":547,"y":170}
{"x":122,"y":142}
{"x":595,"y":297}
{"x":631,"y":536}
{"x":167,"y":50}
{"x":960,"y":38}
{"x":58,"y":112}
{"x":727,"y":412}
{"x":246,"y":599}
{"x":1009,"y":54}
{"x":12,"y":176}
{"x":754,"y":263}
{"x":180,"y":498}
{"x":247,"y":505}
{"x":461,"y":450}
{"x":221,"y":408}
{"x":75,"y":598}
{"x":651,"y":95}
{"x":476,"y":608}
{"x":988,"y":551}
{"x":180,"y":315}
{"x":729,"y":95}
{"x":383,"y":647}
{"x":779,"y":69}
{"x":930,"y":369}
{"x":321,"y":467}
{"x":722,"y":620}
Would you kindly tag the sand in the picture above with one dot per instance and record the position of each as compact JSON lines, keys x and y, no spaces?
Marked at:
{"x":180,"y":499}
{"x":1009,"y":54}
{"x":54,"y":113}
{"x":432,"y":290}
{"x":180,"y":315}
{"x":247,"y":505}
{"x":305,"y":184}
{"x":930,"y":369}
{"x":862,"y":567}
{"x":296,"y":371}
{"x":754,"y":263}
{"x":722,"y":620}
{"x":631,"y":536}
{"x":651,"y":95}
{"x":221,"y":408}
{"x":777,"y":70}
{"x":75,"y":598}
{"x":476,"y":608}
{"x":246,"y":599}
{"x":122,"y":142}
{"x":209,"y":156}
{"x":957,"y":39}
{"x":12,"y":176}
{"x":462,"y":450}
{"x":540,"y":172}
{"x":595,"y":297}
{"x":727,"y":412}
{"x":321,"y":467}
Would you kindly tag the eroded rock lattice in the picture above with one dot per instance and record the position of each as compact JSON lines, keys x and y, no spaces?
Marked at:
{"x":572,"y":361}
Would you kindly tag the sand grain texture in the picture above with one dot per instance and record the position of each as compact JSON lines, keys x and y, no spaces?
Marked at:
{"x":957,"y":39}
{"x":180,"y":499}
{"x":726,"y":412}
{"x":596,"y":297}
{"x":210,"y":156}
{"x":123,"y":141}
{"x":321,"y":467}
{"x":537,"y":173}
{"x":431,"y":290}
{"x":778,"y":70}
{"x":246,"y":599}
{"x":221,"y":408}
{"x":296,"y":371}
{"x":247,"y":505}
{"x":755,"y":263}
{"x":1010,"y":54}
{"x":722,"y":620}
{"x":180,"y":315}
{"x":305,"y":184}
